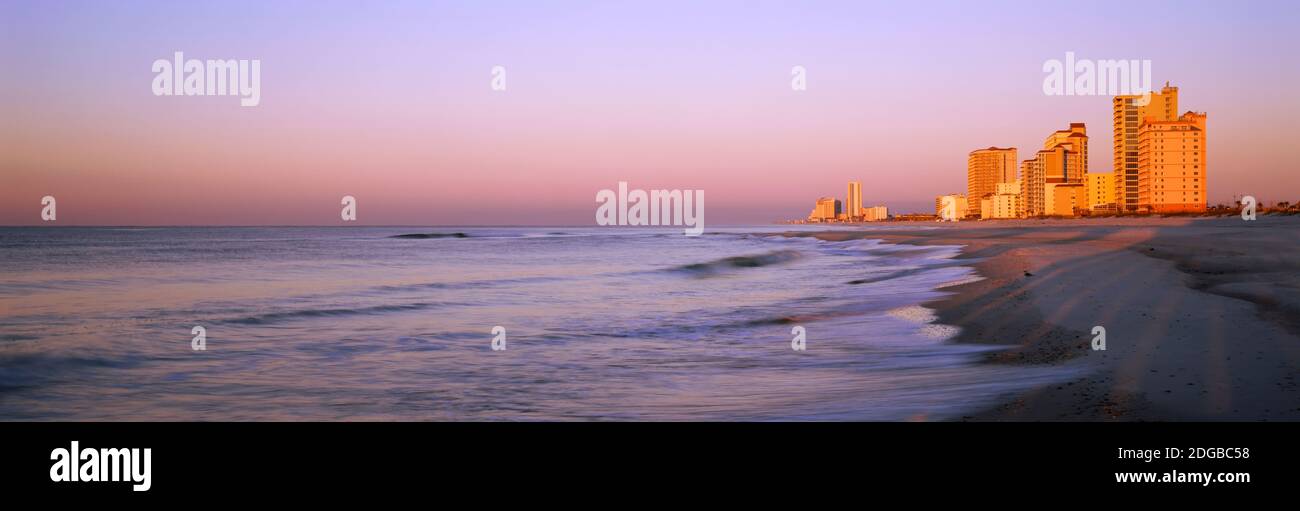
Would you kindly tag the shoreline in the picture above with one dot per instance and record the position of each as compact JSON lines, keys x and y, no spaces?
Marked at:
{"x":1202,"y":315}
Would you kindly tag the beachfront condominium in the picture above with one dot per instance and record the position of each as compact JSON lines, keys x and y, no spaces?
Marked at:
{"x":875,"y":214}
{"x":1003,"y":203}
{"x":1129,"y":113}
{"x":1076,"y":138}
{"x":985,"y":169}
{"x":1052,"y":183}
{"x":1026,"y":169}
{"x":1100,"y":192}
{"x":955,"y":205}
{"x":853,"y":205}
{"x":1172,"y":164}
{"x":827,"y":209}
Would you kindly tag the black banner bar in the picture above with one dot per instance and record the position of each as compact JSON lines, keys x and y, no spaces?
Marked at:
{"x":1094,"y":459}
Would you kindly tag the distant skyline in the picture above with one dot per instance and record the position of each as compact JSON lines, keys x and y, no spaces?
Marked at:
{"x":391,"y":103}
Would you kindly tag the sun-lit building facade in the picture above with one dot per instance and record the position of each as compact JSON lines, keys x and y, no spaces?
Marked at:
{"x":853,"y":203}
{"x":985,"y":169}
{"x":1061,"y":164}
{"x":1129,"y":113}
{"x":1172,"y":165}
{"x":1026,"y":168}
{"x":959,"y":206}
{"x":1100,"y":191}
{"x":826,"y":209}
{"x":1004,"y":203}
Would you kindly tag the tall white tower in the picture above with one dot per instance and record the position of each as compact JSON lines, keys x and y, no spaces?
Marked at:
{"x":853,"y":205}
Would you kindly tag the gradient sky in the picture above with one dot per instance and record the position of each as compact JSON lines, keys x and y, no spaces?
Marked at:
{"x":390,"y":102}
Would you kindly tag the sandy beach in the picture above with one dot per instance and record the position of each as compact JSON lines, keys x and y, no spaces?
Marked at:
{"x":1202,"y":315}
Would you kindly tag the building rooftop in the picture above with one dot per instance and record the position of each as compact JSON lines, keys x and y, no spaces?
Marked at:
{"x":993,"y":148}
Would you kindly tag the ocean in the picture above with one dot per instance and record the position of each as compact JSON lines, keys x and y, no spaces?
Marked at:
{"x":364,"y":323}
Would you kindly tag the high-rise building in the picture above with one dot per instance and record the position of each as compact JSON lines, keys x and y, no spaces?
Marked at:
{"x":1061,"y":164}
{"x":1129,"y":113}
{"x":1100,"y":191}
{"x":875,"y":213}
{"x":1172,"y":164}
{"x":1026,"y":169}
{"x":827,"y":209}
{"x":1064,"y":199}
{"x":1076,"y":138}
{"x":985,"y":169}
{"x":1004,"y":203}
{"x":853,"y":205}
{"x":1031,"y":187}
{"x":959,"y":206}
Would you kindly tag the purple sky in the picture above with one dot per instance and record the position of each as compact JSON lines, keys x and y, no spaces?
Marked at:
{"x":390,"y":102}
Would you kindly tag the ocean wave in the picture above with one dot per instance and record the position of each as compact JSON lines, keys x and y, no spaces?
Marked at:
{"x":274,"y":317}
{"x":430,"y":235}
{"x":896,"y":250}
{"x":36,"y":369}
{"x":891,"y":276}
{"x":469,"y":284}
{"x":739,"y":262}
{"x":928,"y":320}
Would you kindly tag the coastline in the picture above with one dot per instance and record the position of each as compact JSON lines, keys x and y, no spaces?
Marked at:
{"x":1202,"y":315}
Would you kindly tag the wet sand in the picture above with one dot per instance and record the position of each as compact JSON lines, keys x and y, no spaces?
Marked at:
{"x":1201,"y":315}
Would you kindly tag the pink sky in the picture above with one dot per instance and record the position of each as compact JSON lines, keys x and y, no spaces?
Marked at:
{"x":391,"y":104}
